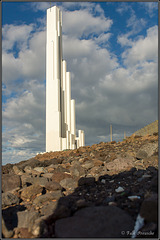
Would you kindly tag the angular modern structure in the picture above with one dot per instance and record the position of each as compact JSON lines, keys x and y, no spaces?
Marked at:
{"x":60,"y":108}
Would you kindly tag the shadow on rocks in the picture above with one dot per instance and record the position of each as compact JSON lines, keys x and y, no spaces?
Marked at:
{"x":107,"y":207}
{"x":10,"y":218}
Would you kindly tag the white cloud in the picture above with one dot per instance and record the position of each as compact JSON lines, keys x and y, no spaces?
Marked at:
{"x":89,"y":62}
{"x":13,"y":34}
{"x":15,"y":155}
{"x":103,"y":39}
{"x":34,"y":57}
{"x":76,"y":5}
{"x":91,"y":7}
{"x":133,"y":23}
{"x":30,"y":62}
{"x":11,"y":68}
{"x":145,"y":49}
{"x":26,"y":108}
{"x":150,"y":7}
{"x":123,"y":7}
{"x":82,"y":23}
{"x":141,"y":71}
{"x":131,"y":81}
{"x":124,"y":95}
{"x":36,"y":6}
{"x":24,"y":121}
{"x":124,"y":41}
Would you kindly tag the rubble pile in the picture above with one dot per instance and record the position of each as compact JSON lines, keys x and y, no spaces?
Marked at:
{"x":93,"y":191}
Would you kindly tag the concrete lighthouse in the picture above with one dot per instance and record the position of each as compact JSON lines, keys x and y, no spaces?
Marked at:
{"x":60,"y":108}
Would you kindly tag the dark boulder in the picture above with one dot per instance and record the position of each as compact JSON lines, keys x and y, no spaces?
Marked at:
{"x":95,"y":222}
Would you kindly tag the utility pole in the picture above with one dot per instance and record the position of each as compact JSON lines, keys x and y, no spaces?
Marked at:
{"x":111,"y":132}
{"x":124,"y":135}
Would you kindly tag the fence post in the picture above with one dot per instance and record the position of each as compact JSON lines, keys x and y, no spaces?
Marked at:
{"x":111,"y":132}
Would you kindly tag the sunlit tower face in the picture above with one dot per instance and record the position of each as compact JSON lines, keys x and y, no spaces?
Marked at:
{"x":60,"y":108}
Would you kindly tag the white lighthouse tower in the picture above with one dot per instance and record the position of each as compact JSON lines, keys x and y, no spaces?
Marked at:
{"x":60,"y":108}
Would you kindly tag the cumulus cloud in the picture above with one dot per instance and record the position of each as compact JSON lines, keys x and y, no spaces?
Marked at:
{"x":36,"y":6}
{"x":145,"y":49}
{"x":141,"y":63}
{"x":82,"y":23}
{"x":123,"y":96}
{"x":29,"y":64}
{"x":16,"y":35}
{"x":103,"y":39}
{"x":24,"y":121}
{"x":34,"y":57}
{"x":124,"y":40}
{"x":11,"y":68}
{"x":92,"y":7}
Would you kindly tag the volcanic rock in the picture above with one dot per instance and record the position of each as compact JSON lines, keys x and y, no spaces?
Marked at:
{"x":141,"y":154}
{"x":17,"y":170}
{"x":26,"y":218}
{"x":106,"y":222}
{"x":154,"y":184}
{"x":68,"y":183}
{"x":22,"y":233}
{"x":147,"y":150}
{"x":88,"y":165}
{"x":5,"y":232}
{"x":48,"y":209}
{"x":9,"y":215}
{"x":9,"y":199}
{"x":40,"y":169}
{"x":58,"y":176}
{"x":31,"y":192}
{"x":39,"y":228}
{"x":28,"y":169}
{"x":47,"y":175}
{"x":77,"y":170}
{"x":119,"y":164}
{"x":86,"y":181}
{"x":29,"y":179}
{"x":53,"y":186}
{"x":10,"y":182}
{"x":48,"y":197}
{"x":149,"y":208}
{"x":31,"y":162}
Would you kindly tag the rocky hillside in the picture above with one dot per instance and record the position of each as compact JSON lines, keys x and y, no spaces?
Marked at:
{"x":106,"y":190}
{"x":148,"y":129}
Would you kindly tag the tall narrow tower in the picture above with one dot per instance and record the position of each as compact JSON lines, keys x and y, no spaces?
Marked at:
{"x":60,"y":108}
{"x":53,"y":80}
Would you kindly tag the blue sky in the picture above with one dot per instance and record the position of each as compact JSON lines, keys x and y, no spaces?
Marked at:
{"x":111,"y":50}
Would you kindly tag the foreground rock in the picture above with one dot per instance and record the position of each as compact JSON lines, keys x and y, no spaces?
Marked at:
{"x":9,"y":199}
{"x":10,"y":182}
{"x":95,"y":191}
{"x":31,"y":192}
{"x":95,"y":222}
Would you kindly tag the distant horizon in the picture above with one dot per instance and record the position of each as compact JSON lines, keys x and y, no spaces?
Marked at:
{"x":84,"y":146}
{"x":111,"y":49}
